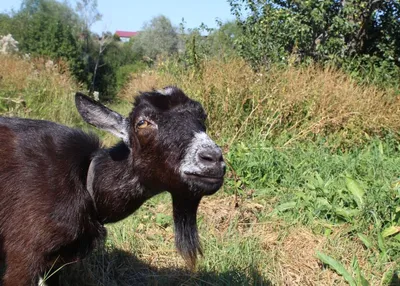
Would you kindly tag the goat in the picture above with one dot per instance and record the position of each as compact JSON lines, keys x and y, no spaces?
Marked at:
{"x":58,"y":187}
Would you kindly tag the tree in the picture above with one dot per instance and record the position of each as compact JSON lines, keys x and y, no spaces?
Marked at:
{"x":5,"y":24}
{"x":111,"y":61}
{"x":334,"y":31}
{"x":87,"y":10}
{"x":47,"y":28}
{"x":222,"y":40}
{"x":158,"y":37}
{"x":102,"y":44}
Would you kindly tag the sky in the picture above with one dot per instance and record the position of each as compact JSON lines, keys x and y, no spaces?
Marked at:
{"x":130,"y":15}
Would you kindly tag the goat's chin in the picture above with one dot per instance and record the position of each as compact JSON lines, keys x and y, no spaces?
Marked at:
{"x":203,"y":185}
{"x":186,"y":234}
{"x":202,"y":189}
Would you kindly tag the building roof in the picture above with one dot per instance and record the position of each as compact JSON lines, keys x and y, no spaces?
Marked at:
{"x":126,"y":34}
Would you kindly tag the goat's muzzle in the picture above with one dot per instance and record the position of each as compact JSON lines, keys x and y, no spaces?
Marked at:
{"x":203,"y":167}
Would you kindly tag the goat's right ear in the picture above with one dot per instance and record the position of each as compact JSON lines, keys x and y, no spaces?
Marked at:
{"x":102,"y":117}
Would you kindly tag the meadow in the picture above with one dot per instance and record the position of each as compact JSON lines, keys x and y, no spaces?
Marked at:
{"x":312,"y":192}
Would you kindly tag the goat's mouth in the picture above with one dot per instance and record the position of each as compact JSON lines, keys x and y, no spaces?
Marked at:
{"x":211,"y":179}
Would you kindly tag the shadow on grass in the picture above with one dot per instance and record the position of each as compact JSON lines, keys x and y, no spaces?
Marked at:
{"x":395,"y":279}
{"x":121,"y":268}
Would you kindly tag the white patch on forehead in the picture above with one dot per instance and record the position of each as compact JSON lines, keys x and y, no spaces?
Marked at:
{"x":167,"y":91}
{"x":190,"y":161}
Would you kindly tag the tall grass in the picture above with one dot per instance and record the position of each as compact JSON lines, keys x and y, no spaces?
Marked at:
{"x":310,"y":145}
{"x":314,"y":165}
{"x":290,"y":103}
{"x":32,"y":88}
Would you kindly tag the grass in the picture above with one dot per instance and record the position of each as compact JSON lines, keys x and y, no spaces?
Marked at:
{"x":32,"y":89}
{"x":312,"y":195}
{"x":253,"y":239}
{"x":285,"y":105}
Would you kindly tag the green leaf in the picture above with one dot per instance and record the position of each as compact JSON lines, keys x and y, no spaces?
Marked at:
{"x":310,"y":186}
{"x":367,"y":242}
{"x":381,"y":148}
{"x":319,"y":179}
{"x":356,"y":190}
{"x":323,"y":202}
{"x":337,"y":266}
{"x":382,"y":247}
{"x":346,"y":213}
{"x":238,"y":184}
{"x":391,"y":230}
{"x":360,"y":277}
{"x":286,"y":206}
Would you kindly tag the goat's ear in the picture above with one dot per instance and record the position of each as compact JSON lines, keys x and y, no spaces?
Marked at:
{"x":102,"y":117}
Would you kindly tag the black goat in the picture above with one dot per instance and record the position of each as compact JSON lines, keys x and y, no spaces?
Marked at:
{"x":58,"y":187}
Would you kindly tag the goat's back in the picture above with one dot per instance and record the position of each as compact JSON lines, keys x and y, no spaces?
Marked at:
{"x":44,"y":204}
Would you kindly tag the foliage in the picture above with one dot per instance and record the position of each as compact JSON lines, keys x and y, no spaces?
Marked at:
{"x":87,"y":10}
{"x":158,"y":37}
{"x":46,"y":28}
{"x":357,"y":186}
{"x":5,"y":24}
{"x":361,"y":35}
{"x":54,"y":30}
{"x":125,"y":73}
{"x":201,"y":43}
{"x":88,"y":15}
{"x":222,"y":39}
{"x":113,"y":62}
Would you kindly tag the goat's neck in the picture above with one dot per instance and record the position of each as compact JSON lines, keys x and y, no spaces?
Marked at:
{"x":116,"y":188}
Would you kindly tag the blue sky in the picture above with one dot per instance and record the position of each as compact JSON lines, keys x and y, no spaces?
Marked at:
{"x":130,"y":15}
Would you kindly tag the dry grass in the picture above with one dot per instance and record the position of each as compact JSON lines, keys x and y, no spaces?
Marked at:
{"x":302,"y":101}
{"x":244,"y":243}
{"x":285,"y":254}
{"x":291,"y":247}
{"x":36,"y":89}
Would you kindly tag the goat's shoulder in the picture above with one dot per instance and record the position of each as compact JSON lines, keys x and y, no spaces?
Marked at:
{"x":43,"y":173}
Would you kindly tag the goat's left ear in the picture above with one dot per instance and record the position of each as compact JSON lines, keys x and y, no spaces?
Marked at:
{"x":102,"y":117}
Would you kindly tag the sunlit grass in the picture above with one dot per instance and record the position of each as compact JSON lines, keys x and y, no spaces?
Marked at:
{"x":314,"y":165}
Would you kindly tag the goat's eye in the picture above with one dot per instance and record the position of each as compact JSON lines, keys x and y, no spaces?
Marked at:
{"x":142,"y":124}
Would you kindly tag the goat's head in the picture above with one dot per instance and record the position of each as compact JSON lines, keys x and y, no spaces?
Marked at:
{"x":167,"y":138}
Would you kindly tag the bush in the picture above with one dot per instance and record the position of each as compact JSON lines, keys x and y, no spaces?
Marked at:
{"x":125,"y":73}
{"x":353,"y":34}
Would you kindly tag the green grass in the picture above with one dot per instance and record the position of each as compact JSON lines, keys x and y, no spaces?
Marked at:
{"x":287,"y":196}
{"x":312,"y":196}
{"x":319,"y":180}
{"x":140,"y":250}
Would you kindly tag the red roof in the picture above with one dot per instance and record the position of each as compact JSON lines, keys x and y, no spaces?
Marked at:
{"x":126,"y":34}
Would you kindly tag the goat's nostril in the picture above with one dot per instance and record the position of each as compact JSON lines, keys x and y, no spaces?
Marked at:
{"x":209,"y":156}
{"x":206,"y":157}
